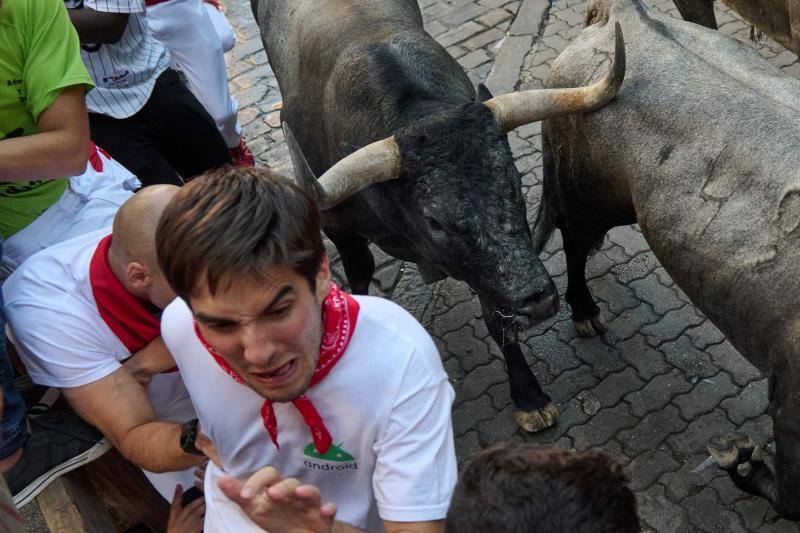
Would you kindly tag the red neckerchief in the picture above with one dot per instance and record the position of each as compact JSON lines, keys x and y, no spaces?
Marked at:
{"x":124,"y":315}
{"x":339,"y":316}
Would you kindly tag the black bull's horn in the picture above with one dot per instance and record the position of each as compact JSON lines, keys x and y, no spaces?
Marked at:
{"x":381,"y":160}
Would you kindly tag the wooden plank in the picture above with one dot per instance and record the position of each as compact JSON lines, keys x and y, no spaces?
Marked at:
{"x":70,"y":504}
{"x":125,"y":492}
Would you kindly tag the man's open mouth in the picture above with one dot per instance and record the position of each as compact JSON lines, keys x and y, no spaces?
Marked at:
{"x":277,"y":376}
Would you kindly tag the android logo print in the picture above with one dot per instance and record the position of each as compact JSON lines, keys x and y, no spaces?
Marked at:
{"x":335,"y":453}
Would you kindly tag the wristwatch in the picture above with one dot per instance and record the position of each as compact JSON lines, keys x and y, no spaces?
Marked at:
{"x":189,"y":436}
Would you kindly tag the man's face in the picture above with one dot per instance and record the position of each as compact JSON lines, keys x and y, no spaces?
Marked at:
{"x":268,"y":332}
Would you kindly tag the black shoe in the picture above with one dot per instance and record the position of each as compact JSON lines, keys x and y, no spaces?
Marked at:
{"x":59,"y":442}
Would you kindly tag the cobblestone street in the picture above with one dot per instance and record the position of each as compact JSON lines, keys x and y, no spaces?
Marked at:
{"x":651,"y":390}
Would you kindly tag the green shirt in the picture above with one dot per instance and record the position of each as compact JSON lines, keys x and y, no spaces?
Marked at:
{"x":39,"y":57}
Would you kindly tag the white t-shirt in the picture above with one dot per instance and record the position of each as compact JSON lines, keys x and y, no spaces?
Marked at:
{"x":64,"y":342}
{"x":386,"y":403}
{"x":124,"y":72}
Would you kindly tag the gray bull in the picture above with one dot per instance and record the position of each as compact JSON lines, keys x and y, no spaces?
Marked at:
{"x":702,"y":148}
{"x":408,"y":158}
{"x":780,"y":19}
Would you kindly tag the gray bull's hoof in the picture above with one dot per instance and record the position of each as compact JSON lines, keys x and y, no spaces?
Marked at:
{"x":744,"y":461}
{"x":537,"y":420}
{"x":591,"y":326}
{"x":731,"y":450}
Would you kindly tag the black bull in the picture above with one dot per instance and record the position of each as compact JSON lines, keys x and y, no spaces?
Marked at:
{"x":418,"y":164}
{"x":701,"y":147}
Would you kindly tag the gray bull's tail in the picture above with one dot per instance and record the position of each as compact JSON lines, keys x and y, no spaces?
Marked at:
{"x":545,"y":216}
{"x":544,"y":226}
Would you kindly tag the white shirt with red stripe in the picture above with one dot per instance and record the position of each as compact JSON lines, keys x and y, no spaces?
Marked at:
{"x":386,"y":403}
{"x":64,"y":342}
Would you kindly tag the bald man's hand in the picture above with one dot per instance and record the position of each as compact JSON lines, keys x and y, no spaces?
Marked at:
{"x":149,"y":361}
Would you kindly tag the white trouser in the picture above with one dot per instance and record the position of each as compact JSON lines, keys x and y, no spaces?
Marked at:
{"x":227,"y":37}
{"x":185,"y":28}
{"x":89,"y":203}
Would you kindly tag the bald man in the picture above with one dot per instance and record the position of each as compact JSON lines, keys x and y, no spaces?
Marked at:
{"x":85,"y":315}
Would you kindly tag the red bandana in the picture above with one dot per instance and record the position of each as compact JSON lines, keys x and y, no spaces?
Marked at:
{"x":122,"y":313}
{"x":339,"y":316}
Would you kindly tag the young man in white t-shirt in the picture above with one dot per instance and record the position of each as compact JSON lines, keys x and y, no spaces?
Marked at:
{"x":85,"y":318}
{"x":309,"y":395}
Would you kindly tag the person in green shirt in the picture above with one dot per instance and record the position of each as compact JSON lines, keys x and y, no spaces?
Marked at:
{"x":44,"y":128}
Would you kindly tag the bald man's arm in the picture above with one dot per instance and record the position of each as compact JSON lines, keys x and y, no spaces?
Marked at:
{"x":119,"y":407}
{"x":149,"y":361}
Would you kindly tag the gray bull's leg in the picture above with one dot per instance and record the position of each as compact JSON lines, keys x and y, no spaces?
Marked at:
{"x":745,"y":463}
{"x":586,"y":315}
{"x":698,"y":11}
{"x":357,"y":259}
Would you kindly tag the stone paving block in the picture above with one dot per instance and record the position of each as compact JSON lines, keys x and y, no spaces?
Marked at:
{"x":705,"y":335}
{"x":569,"y":383}
{"x":467,"y":414}
{"x":660,"y":513}
{"x":494,"y":18}
{"x":684,"y":481}
{"x":480,"y":379}
{"x":470,"y":351}
{"x":484,"y":39}
{"x":466,"y":13}
{"x":612,"y":389}
{"x":604,"y":359}
{"x":618,"y":297}
{"x":460,"y":33}
{"x":706,"y":513}
{"x":648,"y":361}
{"x":751,"y":402}
{"x":693,"y":440}
{"x":694,"y":363}
{"x":474,"y":59}
{"x":657,"y":393}
{"x":630,"y":322}
{"x":599,"y":265}
{"x":705,"y":396}
{"x":726,"y":357}
{"x":651,"y":431}
{"x":673,"y":324}
{"x":649,"y":466}
{"x":557,"y":355}
{"x":602,"y":426}
{"x":662,"y":298}
{"x":638,"y":267}
{"x":498,"y":428}
{"x":630,"y":239}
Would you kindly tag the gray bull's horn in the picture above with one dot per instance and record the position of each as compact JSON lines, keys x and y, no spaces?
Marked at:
{"x":374,"y":163}
{"x":515,"y":109}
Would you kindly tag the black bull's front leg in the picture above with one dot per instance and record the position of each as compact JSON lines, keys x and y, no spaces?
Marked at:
{"x":535,"y":410}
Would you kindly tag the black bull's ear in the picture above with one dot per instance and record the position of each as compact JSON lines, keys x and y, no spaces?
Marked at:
{"x":303,"y":175}
{"x":483,"y":93}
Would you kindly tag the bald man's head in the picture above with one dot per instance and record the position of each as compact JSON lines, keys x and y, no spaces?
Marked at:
{"x":136,"y":222}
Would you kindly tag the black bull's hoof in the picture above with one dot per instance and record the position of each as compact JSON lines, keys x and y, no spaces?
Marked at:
{"x":537,"y":419}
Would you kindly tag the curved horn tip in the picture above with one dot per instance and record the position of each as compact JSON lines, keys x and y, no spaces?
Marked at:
{"x":618,"y":66}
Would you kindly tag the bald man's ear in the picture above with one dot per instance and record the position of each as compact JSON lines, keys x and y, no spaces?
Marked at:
{"x":138,"y":276}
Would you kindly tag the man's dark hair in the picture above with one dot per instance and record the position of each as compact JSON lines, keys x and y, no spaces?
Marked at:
{"x":235,"y":222}
{"x":523,"y":488}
